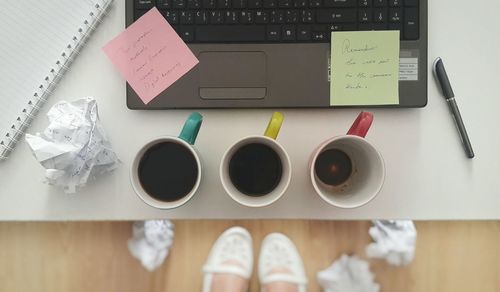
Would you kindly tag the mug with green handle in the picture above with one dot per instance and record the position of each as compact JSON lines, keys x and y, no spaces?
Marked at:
{"x":251,"y":157}
{"x":166,"y":171}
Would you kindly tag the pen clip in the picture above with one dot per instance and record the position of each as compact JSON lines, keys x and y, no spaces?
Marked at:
{"x":439,"y":73}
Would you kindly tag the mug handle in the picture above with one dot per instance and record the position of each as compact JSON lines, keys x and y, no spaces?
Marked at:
{"x":191,"y":128}
{"x":274,"y":126}
{"x":361,"y":125}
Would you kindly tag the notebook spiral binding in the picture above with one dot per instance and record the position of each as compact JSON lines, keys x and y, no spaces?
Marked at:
{"x":69,"y":53}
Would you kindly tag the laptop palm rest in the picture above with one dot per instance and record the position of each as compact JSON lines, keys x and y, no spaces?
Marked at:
{"x":232,"y":75}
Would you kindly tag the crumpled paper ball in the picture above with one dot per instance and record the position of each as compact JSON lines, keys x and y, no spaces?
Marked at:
{"x":74,"y":147}
{"x":151,"y":241}
{"x":394,"y":241}
{"x":348,"y":274}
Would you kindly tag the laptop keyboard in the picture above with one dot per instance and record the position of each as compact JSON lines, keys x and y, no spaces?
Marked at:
{"x":282,"y":21}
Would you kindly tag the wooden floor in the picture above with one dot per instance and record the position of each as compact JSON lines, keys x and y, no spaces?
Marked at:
{"x":459,"y":256}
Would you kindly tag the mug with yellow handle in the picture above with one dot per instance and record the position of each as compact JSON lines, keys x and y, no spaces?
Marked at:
{"x":256,"y":170}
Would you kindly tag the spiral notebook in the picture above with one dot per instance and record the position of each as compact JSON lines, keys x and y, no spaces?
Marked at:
{"x":38,"y":42}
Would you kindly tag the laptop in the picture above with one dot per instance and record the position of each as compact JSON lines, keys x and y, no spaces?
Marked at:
{"x":275,"y":53}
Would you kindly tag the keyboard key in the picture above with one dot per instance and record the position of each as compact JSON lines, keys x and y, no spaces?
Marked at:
{"x":292,"y":16}
{"x":334,"y":27}
{"x":209,"y":3}
{"x":171,"y":16}
{"x":303,"y":33}
{"x":270,"y":3}
{"x":307,"y":16}
{"x":394,"y":3}
{"x":179,"y":4}
{"x":261,"y":17}
{"x":254,"y":4}
{"x":230,"y":33}
{"x":224,"y":4}
{"x":200,"y":17}
{"x":365,"y":3}
{"x":186,"y":33}
{"x":319,"y":36}
{"x":336,"y":15}
{"x":319,"y":32}
{"x":216,"y":17}
{"x":411,"y":2}
{"x":411,"y":31}
{"x":365,"y":15}
{"x":277,"y":16}
{"x":164,"y":4}
{"x":395,"y":15}
{"x":380,"y":3}
{"x":314,"y":3}
{"x":300,"y":3}
{"x":194,"y":4}
{"x":231,"y":17}
{"x":340,"y":3}
{"x":285,"y":3}
{"x":144,"y":4}
{"x":344,"y":27}
{"x":246,"y":17}
{"x":239,"y":3}
{"x":274,"y":32}
{"x":288,"y":33}
{"x":380,"y":15}
{"x":186,"y":17}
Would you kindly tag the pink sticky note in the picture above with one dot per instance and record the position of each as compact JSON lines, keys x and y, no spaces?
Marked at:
{"x":150,"y":55}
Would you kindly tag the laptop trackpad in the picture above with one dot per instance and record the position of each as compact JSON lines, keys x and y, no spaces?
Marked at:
{"x":232,"y":75}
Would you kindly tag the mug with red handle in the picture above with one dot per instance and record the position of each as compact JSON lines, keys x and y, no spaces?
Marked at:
{"x":347,"y":171}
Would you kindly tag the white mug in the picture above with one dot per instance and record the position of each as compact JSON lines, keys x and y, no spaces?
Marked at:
{"x":368,"y":171}
{"x":269,"y":140}
{"x":186,"y":139}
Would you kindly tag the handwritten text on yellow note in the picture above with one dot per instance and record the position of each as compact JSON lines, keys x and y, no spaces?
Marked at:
{"x":365,"y":68}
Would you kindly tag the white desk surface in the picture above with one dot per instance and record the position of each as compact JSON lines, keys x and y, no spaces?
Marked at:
{"x":428,"y":175}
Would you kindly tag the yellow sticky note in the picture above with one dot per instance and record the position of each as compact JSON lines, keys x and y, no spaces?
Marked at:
{"x":365,"y":68}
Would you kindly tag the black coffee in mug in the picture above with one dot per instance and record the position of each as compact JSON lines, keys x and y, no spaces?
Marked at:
{"x":333,"y":167}
{"x":255,"y":169}
{"x":168,"y":171}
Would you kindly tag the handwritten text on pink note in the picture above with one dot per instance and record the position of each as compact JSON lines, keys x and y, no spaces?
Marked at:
{"x":150,"y":55}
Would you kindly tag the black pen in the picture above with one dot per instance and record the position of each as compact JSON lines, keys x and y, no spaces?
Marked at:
{"x":442,"y":78}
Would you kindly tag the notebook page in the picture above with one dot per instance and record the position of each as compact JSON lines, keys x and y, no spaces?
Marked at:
{"x":33,"y":35}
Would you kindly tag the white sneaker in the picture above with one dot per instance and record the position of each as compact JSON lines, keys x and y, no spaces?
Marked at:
{"x":235,"y":245}
{"x":279,"y":252}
